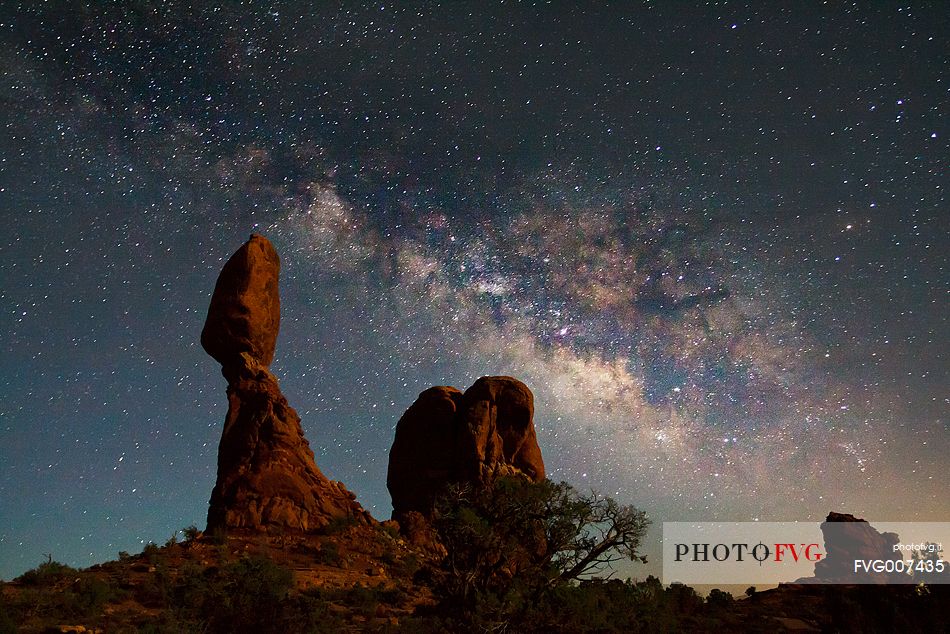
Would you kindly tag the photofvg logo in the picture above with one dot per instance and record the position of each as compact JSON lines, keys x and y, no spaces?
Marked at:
{"x":760,"y":552}
{"x":850,"y":552}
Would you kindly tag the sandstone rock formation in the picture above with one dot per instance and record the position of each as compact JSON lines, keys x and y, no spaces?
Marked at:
{"x":244,"y":315}
{"x":267,"y":478}
{"x":447,"y":436}
{"x":497,"y":431}
{"x":848,"y":538}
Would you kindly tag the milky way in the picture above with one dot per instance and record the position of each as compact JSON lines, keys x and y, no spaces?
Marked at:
{"x":712,"y":242}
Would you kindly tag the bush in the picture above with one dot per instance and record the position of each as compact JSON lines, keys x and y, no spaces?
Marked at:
{"x":329,"y":554}
{"x":250,"y":595}
{"x":151,"y":551}
{"x":57,"y":591}
{"x":392,"y":530}
{"x":190,"y":532}
{"x":338,"y":525}
{"x":7,"y":622}
{"x":92,"y":593}
{"x":362,"y":599}
{"x":513,"y":544}
{"x":47,"y":573}
{"x":718,"y":599}
{"x":683,"y":599}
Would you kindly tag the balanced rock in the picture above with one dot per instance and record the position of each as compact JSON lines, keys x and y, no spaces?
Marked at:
{"x":472,"y":437}
{"x":244,"y":315}
{"x":267,"y":477}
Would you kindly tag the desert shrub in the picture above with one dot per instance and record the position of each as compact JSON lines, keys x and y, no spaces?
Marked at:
{"x":47,"y":573}
{"x":718,"y":599}
{"x":595,"y":605}
{"x":683,"y":599}
{"x":151,"y":550}
{"x":388,"y":557}
{"x":512,"y":545}
{"x":406,"y":566}
{"x":329,"y":554}
{"x":7,"y":622}
{"x":252,"y":591}
{"x":190,"y":532}
{"x":154,"y":592}
{"x":166,"y":623}
{"x":310,"y":612}
{"x":92,"y":593}
{"x":56,"y":591}
{"x":338,"y":525}
{"x":364,"y":600}
{"x":360,"y":598}
{"x":249,"y":595}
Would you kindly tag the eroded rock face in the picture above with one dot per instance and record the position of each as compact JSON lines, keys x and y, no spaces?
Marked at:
{"x":447,"y":436}
{"x":267,"y":478}
{"x":244,"y":315}
{"x":848,"y":538}
{"x":423,"y":457}
{"x":497,"y":431}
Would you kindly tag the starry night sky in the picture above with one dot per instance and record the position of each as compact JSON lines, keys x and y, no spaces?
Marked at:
{"x":713,"y":240}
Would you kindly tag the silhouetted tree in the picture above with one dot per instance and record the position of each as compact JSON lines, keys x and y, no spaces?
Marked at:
{"x":512,"y":543}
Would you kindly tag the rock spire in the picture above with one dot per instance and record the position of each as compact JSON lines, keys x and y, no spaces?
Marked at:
{"x":267,"y":478}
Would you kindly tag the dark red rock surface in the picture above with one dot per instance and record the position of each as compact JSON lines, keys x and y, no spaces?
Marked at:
{"x":423,"y":456}
{"x":447,"y":436}
{"x":244,"y":315}
{"x":497,"y":431}
{"x":267,"y":478}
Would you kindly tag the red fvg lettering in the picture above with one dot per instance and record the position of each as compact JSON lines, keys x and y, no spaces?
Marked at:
{"x":802,"y":550}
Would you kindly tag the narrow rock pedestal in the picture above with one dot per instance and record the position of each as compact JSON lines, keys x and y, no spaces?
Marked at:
{"x":267,"y":478}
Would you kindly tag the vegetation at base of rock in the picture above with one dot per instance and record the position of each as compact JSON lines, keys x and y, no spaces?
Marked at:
{"x":328,"y":554}
{"x":47,"y":573}
{"x":250,"y":595}
{"x":338,"y":525}
{"x":256,"y":594}
{"x":513,"y":544}
{"x":208,"y":588}
{"x":53,"y":589}
{"x":190,"y":532}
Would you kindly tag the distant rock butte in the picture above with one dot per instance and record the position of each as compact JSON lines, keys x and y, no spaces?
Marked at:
{"x":267,"y":478}
{"x":849,"y":538}
{"x":449,"y":436}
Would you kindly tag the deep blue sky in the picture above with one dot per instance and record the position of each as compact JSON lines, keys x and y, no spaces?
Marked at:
{"x":713,"y":241}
